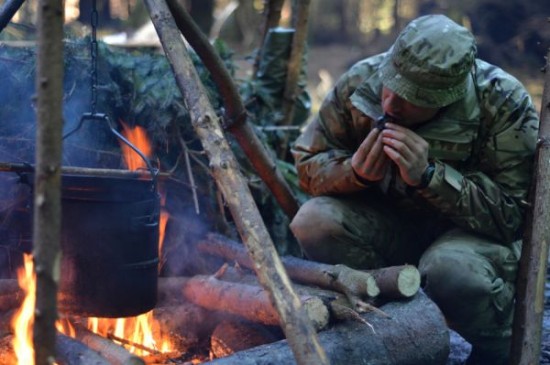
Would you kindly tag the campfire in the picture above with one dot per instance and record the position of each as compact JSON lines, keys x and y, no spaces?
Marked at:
{"x":225,"y":313}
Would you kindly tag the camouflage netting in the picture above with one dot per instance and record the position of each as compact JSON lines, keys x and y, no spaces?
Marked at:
{"x":137,"y":87}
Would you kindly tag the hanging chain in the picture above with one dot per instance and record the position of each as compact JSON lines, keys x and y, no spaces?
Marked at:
{"x":93,"y":53}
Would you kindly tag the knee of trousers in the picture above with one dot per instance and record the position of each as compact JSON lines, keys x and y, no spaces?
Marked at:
{"x":314,"y":224}
{"x":467,"y":288}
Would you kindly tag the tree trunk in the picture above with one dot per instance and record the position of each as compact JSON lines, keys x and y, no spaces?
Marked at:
{"x":416,"y":333}
{"x":298,"y":330}
{"x":526,"y":338}
{"x":47,"y":181}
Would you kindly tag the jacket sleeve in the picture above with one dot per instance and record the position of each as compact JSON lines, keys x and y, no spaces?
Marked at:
{"x":490,"y":199}
{"x":323,"y":152}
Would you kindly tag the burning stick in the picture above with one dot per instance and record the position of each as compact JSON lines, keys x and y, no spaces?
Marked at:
{"x":123,"y":341}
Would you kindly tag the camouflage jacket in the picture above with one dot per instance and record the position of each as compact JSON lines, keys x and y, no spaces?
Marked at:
{"x":482,"y":147}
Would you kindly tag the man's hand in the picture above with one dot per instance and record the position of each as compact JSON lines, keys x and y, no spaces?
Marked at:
{"x":408,"y":150}
{"x":369,"y":161}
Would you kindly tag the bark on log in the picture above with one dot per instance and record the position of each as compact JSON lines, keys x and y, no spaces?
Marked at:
{"x":115,"y":354}
{"x":340,"y":278}
{"x":529,"y":309}
{"x":247,"y":301}
{"x":69,"y":351}
{"x":298,"y":330}
{"x":415,"y":334}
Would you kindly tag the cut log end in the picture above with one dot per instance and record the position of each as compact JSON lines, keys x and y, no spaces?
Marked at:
{"x":408,"y":281}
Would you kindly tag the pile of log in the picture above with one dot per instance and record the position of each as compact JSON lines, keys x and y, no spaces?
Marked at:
{"x":379,"y":315}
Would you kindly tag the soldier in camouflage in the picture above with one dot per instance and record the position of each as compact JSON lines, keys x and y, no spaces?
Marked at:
{"x":443,"y":184}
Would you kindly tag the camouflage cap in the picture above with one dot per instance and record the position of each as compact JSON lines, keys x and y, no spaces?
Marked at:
{"x":429,"y":63}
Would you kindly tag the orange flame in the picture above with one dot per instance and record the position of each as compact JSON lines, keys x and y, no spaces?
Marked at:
{"x":138,"y":137}
{"x":136,"y":333}
{"x":24,"y":317}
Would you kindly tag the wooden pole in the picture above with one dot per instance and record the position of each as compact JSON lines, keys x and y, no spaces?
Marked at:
{"x":271,"y":274}
{"x":47,"y":181}
{"x":529,"y":310}
{"x":7,"y":11}
{"x":235,"y":113}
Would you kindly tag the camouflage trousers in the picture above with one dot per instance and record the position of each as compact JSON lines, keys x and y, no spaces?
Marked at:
{"x":470,"y":277}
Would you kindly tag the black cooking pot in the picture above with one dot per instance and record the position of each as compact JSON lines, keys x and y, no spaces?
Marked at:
{"x":109,"y":241}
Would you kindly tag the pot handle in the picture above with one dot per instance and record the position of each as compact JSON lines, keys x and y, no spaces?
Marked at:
{"x":103,"y":117}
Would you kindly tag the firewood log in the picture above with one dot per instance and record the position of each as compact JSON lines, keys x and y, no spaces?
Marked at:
{"x":247,"y":301}
{"x":416,"y":333}
{"x":397,"y":281}
{"x":115,"y":354}
{"x":72,"y":352}
{"x":354,"y":283}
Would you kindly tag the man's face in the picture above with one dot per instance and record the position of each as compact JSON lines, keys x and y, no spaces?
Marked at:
{"x":405,"y":113}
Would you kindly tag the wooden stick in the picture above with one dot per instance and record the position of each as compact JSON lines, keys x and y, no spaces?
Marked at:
{"x":8,"y":10}
{"x":47,"y":178}
{"x":69,"y":170}
{"x":298,"y":330}
{"x":529,"y":309}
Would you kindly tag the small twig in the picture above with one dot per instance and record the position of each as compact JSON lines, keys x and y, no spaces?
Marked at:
{"x":366,"y":307}
{"x":190,"y":174}
{"x":221,"y":271}
{"x":342,"y":312}
{"x":124,"y":341}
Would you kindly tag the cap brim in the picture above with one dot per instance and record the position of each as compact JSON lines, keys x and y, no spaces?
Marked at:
{"x":417,"y":94}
